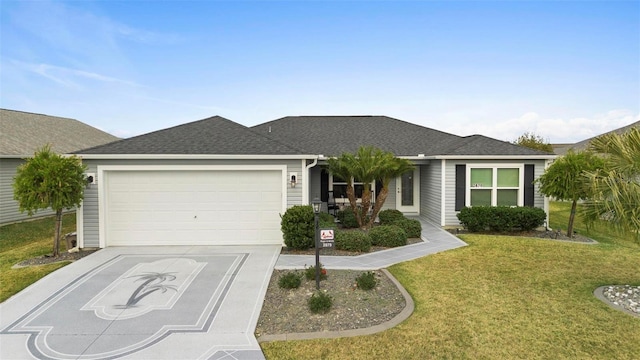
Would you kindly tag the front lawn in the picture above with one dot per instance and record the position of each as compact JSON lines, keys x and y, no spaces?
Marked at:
{"x":24,"y":241}
{"x":501,"y":298}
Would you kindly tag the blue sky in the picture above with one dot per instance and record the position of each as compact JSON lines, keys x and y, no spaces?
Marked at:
{"x":565,"y":70}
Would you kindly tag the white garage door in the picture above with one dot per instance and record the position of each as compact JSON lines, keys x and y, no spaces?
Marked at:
{"x":219,"y":207}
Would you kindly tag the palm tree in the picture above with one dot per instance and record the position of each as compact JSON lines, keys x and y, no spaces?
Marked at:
{"x":616,"y":188}
{"x":152,"y":282}
{"x":367,"y":165}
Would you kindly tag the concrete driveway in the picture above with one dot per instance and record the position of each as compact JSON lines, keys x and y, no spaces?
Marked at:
{"x":173,"y":302}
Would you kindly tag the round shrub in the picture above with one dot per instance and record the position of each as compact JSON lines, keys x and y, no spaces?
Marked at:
{"x":310,"y":273}
{"x":298,"y":228}
{"x":366,"y":281}
{"x":412,"y":227}
{"x":290,"y":280}
{"x":390,"y":216}
{"x":354,"y":240}
{"x":388,"y":236}
{"x":347,"y":218}
{"x":327,"y":221}
{"x":320,"y":303}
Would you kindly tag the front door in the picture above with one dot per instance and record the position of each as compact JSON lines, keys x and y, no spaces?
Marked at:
{"x":408,"y":192}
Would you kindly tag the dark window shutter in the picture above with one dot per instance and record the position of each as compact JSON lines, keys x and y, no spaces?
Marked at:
{"x":529,"y":191}
{"x":461,"y":183}
{"x":324,"y":185}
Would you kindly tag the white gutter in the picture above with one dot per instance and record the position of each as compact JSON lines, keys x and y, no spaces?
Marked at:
{"x":190,"y":157}
{"x":305,"y":194}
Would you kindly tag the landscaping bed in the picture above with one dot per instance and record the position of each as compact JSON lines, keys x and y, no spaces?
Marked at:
{"x":286,"y":311}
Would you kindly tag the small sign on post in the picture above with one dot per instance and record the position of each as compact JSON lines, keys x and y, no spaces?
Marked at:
{"x":326,"y":238}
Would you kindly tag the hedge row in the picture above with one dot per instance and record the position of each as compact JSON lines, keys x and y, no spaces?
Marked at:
{"x":501,"y":218}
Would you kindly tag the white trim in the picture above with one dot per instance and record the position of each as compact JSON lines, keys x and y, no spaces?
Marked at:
{"x":80,"y":226}
{"x":307,"y":173}
{"x":192,"y":156}
{"x":102,"y":169}
{"x":495,"y":157}
{"x":443,"y":194}
{"x":416,"y":193}
{"x":494,"y":194}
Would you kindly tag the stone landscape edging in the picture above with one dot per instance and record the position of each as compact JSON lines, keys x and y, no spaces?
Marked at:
{"x":400,"y":317}
{"x":598,"y":293}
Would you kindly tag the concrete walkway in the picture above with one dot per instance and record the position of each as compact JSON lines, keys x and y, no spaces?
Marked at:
{"x":435,"y":240}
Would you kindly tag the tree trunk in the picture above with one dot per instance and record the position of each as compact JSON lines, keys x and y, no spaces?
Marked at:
{"x":380,"y":199}
{"x":351,"y":194}
{"x":366,"y":204}
{"x":572,"y":216}
{"x":56,"y":238}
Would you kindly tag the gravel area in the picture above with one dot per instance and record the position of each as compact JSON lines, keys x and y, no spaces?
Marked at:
{"x":625,"y":296}
{"x":286,"y":311}
{"x":48,"y":259}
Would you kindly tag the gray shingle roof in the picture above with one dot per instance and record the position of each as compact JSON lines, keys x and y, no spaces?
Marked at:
{"x":584,"y":144}
{"x":333,"y":135}
{"x":23,"y":133}
{"x":215,"y":135}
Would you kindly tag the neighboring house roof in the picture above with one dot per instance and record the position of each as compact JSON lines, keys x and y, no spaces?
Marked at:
{"x":23,"y":133}
{"x":584,"y":144}
{"x":215,"y":135}
{"x":333,"y":135}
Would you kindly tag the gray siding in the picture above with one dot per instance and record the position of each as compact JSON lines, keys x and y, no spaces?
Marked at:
{"x":9,"y":209}
{"x":450,"y":183}
{"x":90,"y":205}
{"x":431,"y":191}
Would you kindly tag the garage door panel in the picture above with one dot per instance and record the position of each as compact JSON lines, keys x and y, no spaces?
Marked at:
{"x":193,"y":207}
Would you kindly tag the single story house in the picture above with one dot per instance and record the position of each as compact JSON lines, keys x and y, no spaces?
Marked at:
{"x":562,"y":149}
{"x":22,"y":134}
{"x":214,"y":181}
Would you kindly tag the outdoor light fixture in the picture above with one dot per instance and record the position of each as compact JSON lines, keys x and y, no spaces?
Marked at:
{"x":293,"y":179}
{"x":316,"y":203}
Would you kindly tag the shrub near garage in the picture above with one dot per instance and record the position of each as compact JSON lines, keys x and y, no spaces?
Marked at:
{"x":354,"y":240}
{"x":388,"y":236}
{"x":297,"y":227}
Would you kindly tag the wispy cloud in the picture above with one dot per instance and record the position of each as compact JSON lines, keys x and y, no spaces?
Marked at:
{"x":73,"y":78}
{"x":555,"y":130}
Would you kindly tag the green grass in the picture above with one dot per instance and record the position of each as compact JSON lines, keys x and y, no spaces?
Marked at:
{"x":23,"y":241}
{"x":503,"y":297}
{"x":601,"y":231}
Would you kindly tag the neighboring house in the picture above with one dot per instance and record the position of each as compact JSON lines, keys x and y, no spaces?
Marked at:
{"x":561,"y":149}
{"x":22,"y":134}
{"x":214,"y":181}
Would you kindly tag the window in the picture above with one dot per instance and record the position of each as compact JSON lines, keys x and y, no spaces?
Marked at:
{"x":497,"y":185}
{"x":339,"y":187}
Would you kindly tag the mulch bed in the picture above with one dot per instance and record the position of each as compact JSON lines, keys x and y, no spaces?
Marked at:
{"x":49,"y":259}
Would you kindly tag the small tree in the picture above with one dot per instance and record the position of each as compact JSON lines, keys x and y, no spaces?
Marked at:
{"x":49,"y":180}
{"x":616,"y":188}
{"x":566,"y":180}
{"x":533,"y":141}
{"x":368,"y":164}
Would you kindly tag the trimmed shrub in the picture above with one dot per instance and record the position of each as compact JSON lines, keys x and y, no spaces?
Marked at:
{"x":290,"y":280}
{"x":310,"y":273}
{"x":390,"y":216}
{"x":412,"y":227}
{"x":326,"y":220}
{"x":320,"y":303}
{"x":297,"y":227}
{"x":388,"y":236}
{"x":366,"y":281}
{"x":501,"y":218}
{"x":354,"y":240}
{"x":347,"y":218}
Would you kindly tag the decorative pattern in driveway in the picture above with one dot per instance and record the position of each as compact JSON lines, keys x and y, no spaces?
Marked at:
{"x":131,"y":302}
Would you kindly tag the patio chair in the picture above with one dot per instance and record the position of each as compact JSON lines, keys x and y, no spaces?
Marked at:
{"x":332,"y":207}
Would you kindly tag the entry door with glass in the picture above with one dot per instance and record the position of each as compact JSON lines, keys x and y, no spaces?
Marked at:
{"x":408,"y":192}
